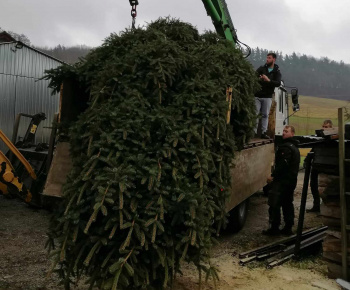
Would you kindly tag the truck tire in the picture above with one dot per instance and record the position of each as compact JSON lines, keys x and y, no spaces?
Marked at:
{"x":238,"y":216}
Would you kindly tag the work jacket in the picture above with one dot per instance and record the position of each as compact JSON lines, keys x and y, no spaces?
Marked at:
{"x":267,"y":88}
{"x":287,"y":160}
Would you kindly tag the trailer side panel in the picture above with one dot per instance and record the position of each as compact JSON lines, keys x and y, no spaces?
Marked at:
{"x":252,"y":167}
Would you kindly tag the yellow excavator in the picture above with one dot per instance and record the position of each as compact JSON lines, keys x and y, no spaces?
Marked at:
{"x":25,"y":166}
{"x":10,"y":183}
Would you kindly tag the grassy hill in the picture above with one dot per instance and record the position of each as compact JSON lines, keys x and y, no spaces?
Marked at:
{"x":313,"y":111}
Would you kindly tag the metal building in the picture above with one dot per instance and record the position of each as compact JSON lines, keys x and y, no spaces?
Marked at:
{"x":22,"y":91}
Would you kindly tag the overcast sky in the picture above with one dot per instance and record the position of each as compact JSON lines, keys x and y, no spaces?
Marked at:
{"x":313,"y":27}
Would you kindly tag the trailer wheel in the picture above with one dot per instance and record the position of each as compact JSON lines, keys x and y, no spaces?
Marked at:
{"x":238,"y":216}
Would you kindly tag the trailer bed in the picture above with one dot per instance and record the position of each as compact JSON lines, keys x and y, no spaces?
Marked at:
{"x":252,"y":167}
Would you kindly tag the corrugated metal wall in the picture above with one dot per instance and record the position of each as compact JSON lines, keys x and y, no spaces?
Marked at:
{"x":21,"y":91}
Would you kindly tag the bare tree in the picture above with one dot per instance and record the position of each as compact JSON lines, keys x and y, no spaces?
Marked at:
{"x":19,"y":37}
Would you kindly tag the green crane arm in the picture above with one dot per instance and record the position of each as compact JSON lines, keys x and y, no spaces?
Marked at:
{"x":218,"y":11}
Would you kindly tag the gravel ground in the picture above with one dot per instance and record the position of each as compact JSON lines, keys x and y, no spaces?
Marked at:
{"x":24,"y":262}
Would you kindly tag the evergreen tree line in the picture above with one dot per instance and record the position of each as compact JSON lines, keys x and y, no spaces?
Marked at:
{"x":314,"y":77}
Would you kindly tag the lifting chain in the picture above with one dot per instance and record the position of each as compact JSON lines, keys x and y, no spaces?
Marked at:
{"x":133,"y":4}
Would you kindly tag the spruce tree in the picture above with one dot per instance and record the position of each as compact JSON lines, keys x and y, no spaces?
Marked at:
{"x":151,"y":155}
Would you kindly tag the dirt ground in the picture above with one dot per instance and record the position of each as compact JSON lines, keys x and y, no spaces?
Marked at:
{"x":24,"y":262}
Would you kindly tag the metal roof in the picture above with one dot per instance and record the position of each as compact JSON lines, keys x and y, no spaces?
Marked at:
{"x":34,"y":49}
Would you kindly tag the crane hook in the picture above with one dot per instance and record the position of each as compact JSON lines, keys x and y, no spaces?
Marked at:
{"x":133,"y":4}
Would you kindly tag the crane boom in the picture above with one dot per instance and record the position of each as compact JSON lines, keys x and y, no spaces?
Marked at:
{"x":218,"y":11}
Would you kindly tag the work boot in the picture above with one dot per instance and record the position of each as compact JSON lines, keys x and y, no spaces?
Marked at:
{"x":264,"y":136}
{"x":314,"y":209}
{"x":286,"y":231}
{"x":271,"y":232}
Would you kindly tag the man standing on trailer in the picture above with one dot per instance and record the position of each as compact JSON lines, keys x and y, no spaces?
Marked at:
{"x":284,"y":180}
{"x":314,"y":177}
{"x":269,"y":78}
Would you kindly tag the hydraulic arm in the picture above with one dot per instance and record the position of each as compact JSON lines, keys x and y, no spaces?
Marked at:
{"x":218,"y":11}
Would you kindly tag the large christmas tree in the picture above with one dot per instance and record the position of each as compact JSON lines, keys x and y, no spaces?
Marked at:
{"x":151,"y":155}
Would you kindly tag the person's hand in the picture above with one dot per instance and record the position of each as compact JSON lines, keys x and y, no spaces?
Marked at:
{"x":269,"y":179}
{"x":264,"y":78}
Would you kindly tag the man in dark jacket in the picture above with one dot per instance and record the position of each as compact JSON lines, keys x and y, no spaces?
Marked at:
{"x":270,"y":78}
{"x":284,"y":179}
{"x":314,"y":177}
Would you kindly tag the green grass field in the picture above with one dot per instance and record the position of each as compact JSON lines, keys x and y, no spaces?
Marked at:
{"x":313,"y":111}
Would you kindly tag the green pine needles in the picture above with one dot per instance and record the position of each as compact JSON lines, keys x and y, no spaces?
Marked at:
{"x":151,"y":155}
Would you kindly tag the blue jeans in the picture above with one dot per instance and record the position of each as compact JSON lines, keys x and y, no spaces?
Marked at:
{"x":263,"y":105}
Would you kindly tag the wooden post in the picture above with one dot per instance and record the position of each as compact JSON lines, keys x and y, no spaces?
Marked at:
{"x":60,"y":105}
{"x":309,"y":158}
{"x":343,"y":204}
{"x":229,"y":100}
{"x":271,"y":127}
